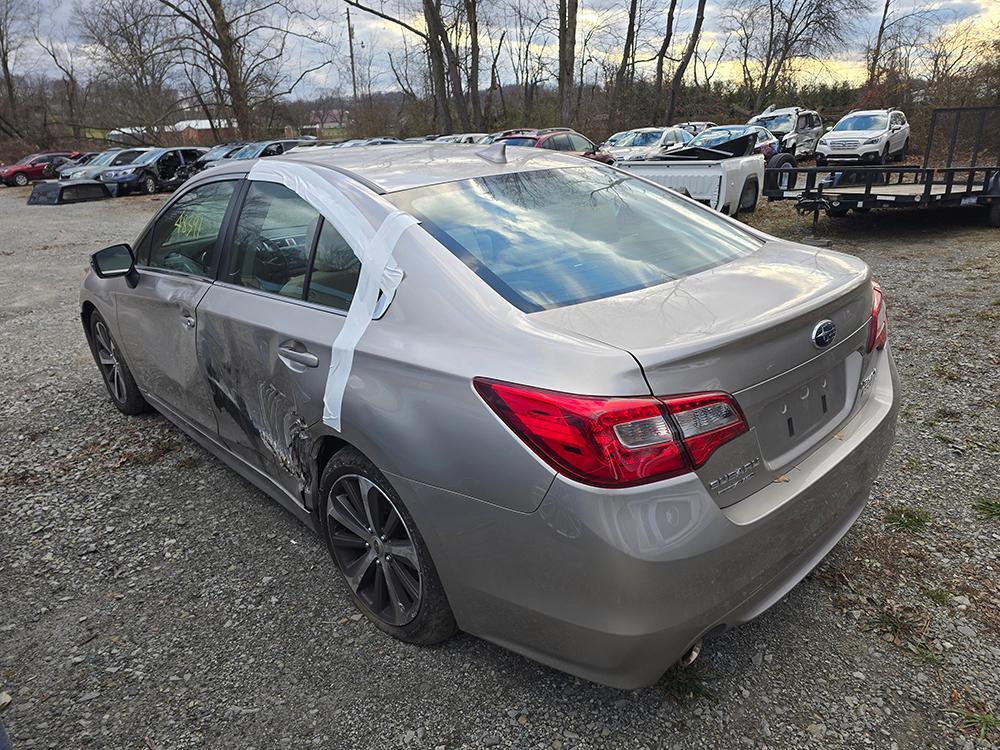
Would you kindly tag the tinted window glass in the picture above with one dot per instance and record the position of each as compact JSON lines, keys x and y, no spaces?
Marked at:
{"x":561,"y":143}
{"x":554,"y":237}
{"x":335,"y":270}
{"x":273,"y":238}
{"x":520,"y":142}
{"x":184,"y":238}
{"x":579,"y":143}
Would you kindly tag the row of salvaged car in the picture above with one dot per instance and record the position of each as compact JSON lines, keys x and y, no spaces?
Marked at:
{"x":711,"y":162}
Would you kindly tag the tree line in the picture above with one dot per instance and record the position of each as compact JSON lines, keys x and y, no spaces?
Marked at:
{"x":250,"y":67}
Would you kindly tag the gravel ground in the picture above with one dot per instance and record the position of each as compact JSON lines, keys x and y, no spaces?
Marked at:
{"x":149,"y":598}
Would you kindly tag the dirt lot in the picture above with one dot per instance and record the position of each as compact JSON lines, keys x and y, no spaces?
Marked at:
{"x":149,"y":598}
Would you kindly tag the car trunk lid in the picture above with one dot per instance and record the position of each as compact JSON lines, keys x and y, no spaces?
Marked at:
{"x":747,"y":328}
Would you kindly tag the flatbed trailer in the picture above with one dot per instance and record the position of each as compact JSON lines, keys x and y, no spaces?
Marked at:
{"x":839,"y":189}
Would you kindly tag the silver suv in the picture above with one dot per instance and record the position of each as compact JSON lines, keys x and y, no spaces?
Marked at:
{"x":871,"y":136}
{"x":797,"y":130}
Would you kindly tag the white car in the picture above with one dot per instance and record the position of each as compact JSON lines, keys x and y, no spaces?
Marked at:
{"x":643,"y":142}
{"x":461,"y":138}
{"x":872,"y":136}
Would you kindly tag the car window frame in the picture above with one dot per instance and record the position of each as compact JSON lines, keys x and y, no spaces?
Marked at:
{"x":144,"y":243}
{"x":230,"y":222}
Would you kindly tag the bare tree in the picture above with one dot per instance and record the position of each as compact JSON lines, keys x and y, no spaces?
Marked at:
{"x":135,"y":52}
{"x":568,"y":10}
{"x":15,"y":30}
{"x":682,"y":65}
{"x":771,"y":36}
{"x":661,"y":57}
{"x":60,"y":51}
{"x":235,"y":51}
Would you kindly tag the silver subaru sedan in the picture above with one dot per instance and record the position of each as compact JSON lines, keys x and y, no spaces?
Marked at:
{"x":595,"y":423}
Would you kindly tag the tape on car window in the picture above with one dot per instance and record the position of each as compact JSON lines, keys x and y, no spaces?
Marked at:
{"x":373,"y":246}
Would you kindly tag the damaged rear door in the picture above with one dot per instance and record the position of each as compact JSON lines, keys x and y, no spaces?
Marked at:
{"x":266,"y":329}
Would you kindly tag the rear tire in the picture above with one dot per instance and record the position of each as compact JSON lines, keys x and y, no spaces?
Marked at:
{"x":748,"y":197}
{"x":995,"y":212}
{"x":364,"y":521}
{"x":118,"y":380}
{"x":837,"y":212}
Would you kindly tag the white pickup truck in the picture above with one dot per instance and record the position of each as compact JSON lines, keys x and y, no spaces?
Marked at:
{"x":731,"y":185}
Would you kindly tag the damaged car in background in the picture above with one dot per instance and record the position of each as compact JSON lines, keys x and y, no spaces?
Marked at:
{"x":798,"y":130}
{"x":728,"y":177}
{"x":587,"y":418}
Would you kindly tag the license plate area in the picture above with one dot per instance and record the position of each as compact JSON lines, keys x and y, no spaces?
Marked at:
{"x":791,"y":423}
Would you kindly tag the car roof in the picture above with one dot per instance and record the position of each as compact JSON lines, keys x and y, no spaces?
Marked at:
{"x":868,"y":112}
{"x":417,"y":165}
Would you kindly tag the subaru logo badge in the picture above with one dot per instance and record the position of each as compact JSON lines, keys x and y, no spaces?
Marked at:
{"x":824,"y":333}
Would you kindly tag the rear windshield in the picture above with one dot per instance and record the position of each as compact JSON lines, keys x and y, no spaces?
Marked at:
{"x":558,"y":237}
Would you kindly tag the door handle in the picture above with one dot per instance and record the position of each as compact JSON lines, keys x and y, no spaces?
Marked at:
{"x":298,"y":355}
{"x":188,"y":321}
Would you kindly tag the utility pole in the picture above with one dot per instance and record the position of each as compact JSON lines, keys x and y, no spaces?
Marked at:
{"x":350,"y":47}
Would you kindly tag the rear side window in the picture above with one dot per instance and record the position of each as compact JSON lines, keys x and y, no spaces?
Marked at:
{"x":555,"y":237}
{"x":283,"y":246}
{"x":335,"y":270}
{"x":185,"y":236}
{"x":273,"y":241}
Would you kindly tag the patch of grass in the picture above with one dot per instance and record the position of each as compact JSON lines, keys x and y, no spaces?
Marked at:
{"x":984,"y":726}
{"x":987,"y":314}
{"x":685,"y":684}
{"x":927,"y":656}
{"x":912,"y":463}
{"x":938,"y":596}
{"x":907,"y":518}
{"x":987,"y":508}
{"x":901,"y":625}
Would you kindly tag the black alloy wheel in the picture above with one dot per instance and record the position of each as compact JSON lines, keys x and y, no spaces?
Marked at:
{"x":380,"y":553}
{"x":122,"y":388}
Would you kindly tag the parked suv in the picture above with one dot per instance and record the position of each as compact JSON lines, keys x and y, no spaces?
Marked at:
{"x":559,"y":139}
{"x":797,"y":130}
{"x":34,"y":167}
{"x":871,"y":136}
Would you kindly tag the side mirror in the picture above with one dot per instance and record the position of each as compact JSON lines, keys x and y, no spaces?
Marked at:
{"x":115,"y":261}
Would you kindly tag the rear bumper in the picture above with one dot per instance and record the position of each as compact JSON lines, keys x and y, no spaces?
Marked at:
{"x":616,"y":586}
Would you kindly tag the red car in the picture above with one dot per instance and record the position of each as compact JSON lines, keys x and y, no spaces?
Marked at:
{"x":34,"y":167}
{"x":557,"y":139}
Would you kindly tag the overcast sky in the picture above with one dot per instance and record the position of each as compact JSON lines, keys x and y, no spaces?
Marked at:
{"x":376,"y":37}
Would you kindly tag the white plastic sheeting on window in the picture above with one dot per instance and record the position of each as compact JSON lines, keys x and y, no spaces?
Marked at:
{"x":373,"y":245}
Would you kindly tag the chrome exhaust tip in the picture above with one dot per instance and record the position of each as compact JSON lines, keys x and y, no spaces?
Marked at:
{"x":692,"y":654}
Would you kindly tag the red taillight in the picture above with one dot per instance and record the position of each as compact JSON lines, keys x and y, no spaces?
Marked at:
{"x":615,"y":442}
{"x":879,"y":331}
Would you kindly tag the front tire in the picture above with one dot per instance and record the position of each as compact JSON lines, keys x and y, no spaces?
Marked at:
{"x":149,"y":184}
{"x":124,"y":392}
{"x":21,"y":179}
{"x":379,"y":552}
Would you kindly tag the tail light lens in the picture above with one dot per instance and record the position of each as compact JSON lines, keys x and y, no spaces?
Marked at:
{"x":615,"y":442}
{"x":879,"y":331}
